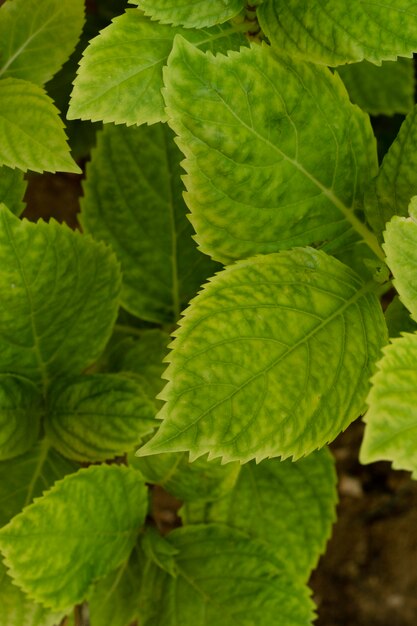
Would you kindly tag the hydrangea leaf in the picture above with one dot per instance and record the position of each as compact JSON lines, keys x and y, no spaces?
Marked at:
{"x":133,"y":201}
{"x":120,"y":75}
{"x":12,"y":189}
{"x":27,"y":476}
{"x":380,"y":90}
{"x":160,"y":551}
{"x":257,"y":182}
{"x":338,"y":32}
{"x":36,"y":38}
{"x":20,"y":410}
{"x":191,"y":13}
{"x":391,"y":422}
{"x":277,"y":499}
{"x":398,"y":319}
{"x":32,"y":132}
{"x":52,"y":283}
{"x":316,"y":331}
{"x":96,"y":533}
{"x":401,"y":249}
{"x":396,"y":182}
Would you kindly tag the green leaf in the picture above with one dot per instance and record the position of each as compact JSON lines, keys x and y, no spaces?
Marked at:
{"x":401,"y":249}
{"x":36,"y":38}
{"x":85,"y":526}
{"x":278,"y":499}
{"x":97,"y":417}
{"x":25,"y":477}
{"x":53,"y":281}
{"x":380,"y":90}
{"x":335,"y":32}
{"x":160,"y":551}
{"x":120,"y":76}
{"x":32,"y":132}
{"x":12,"y":189}
{"x":396,"y":182}
{"x":391,"y":422}
{"x":398,"y":319}
{"x":20,"y":410}
{"x":191,"y":13}
{"x":257,"y":182}
{"x":316,"y":331}
{"x":137,"y":172}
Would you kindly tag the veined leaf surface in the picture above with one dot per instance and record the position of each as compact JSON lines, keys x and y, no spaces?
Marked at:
{"x":12,"y":189}
{"x":191,"y":13}
{"x":276,"y":154}
{"x":272,"y":358}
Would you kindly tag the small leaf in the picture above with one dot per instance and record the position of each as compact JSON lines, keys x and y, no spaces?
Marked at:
{"x":85,"y":526}
{"x":278,"y":499}
{"x":12,"y":189}
{"x":191,"y":13}
{"x":20,"y":410}
{"x":53,"y":282}
{"x":398,"y":319}
{"x":316,"y":331}
{"x":160,"y":551}
{"x":97,"y":417}
{"x":36,"y":38}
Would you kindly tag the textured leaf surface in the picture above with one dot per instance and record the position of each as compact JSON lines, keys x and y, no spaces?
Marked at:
{"x":191,"y":13}
{"x":36,"y":38}
{"x":97,"y":417}
{"x":380,"y":90}
{"x":53,"y":283}
{"x":133,"y":201}
{"x":276,"y":500}
{"x":12,"y":189}
{"x":32,"y":133}
{"x":398,"y":319}
{"x":20,"y":409}
{"x":276,"y":155}
{"x":56,"y":551}
{"x":120,"y":75}
{"x":338,"y":31}
{"x":391,"y":422}
{"x":271,"y":359}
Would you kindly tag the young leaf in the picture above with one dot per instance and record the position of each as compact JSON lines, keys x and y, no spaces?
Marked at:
{"x":398,"y":319}
{"x":191,"y":13}
{"x":160,"y":551}
{"x":97,"y":417}
{"x":277,"y":499}
{"x":315,"y":330}
{"x":120,"y":75}
{"x":335,"y":32}
{"x":36,"y":38}
{"x":20,"y":410}
{"x":133,"y":201}
{"x":52,"y":283}
{"x":32,"y":133}
{"x":380,"y":90}
{"x":12,"y":189}
{"x":276,"y":155}
{"x":391,"y":422}
{"x":85,"y":526}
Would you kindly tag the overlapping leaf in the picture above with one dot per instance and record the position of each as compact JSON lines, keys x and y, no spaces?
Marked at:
{"x":133,"y":201}
{"x":12,"y":189}
{"x":272,"y":358}
{"x":276,"y":154}
{"x":20,"y":410}
{"x":52,"y":283}
{"x":85,"y":526}
{"x":398,"y":318}
{"x":338,"y":31}
{"x":191,"y":13}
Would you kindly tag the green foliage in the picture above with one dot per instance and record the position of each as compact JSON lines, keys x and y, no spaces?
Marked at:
{"x":19,"y":415}
{"x":12,"y":189}
{"x":191,"y":13}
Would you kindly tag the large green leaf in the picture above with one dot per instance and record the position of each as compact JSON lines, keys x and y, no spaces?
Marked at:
{"x":133,"y":201}
{"x":97,"y":417}
{"x":36,"y":38}
{"x":272,"y":358}
{"x":53,"y":282}
{"x":276,"y":154}
{"x":391,"y":422}
{"x":85,"y":526}
{"x":339,"y":31}
{"x":276,"y":500}
{"x":32,"y":133}
{"x":120,"y":76}
{"x":380,"y":90}
{"x":191,"y":13}
{"x":12,"y":189}
{"x":20,"y":410}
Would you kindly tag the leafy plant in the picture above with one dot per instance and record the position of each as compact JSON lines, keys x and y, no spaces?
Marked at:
{"x":267,"y":261}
